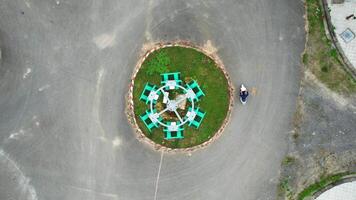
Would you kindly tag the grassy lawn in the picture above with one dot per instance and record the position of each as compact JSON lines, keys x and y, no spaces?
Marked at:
{"x":192,"y":65}
{"x":326,"y":181}
{"x":321,"y":58}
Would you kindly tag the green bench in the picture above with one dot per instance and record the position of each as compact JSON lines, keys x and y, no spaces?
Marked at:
{"x":173,"y":131}
{"x":171,"y":80}
{"x":195,"y":117}
{"x":193,"y":91}
{"x":150,"y":93}
{"x":150,"y":119}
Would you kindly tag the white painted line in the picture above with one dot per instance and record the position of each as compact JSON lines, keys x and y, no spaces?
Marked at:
{"x":97,"y":101}
{"x":43,"y":87}
{"x":16,"y":135}
{"x":159,"y":172}
{"x":23,"y":181}
{"x":110,"y":195}
{"x":28,"y":71}
{"x":105,"y":40}
{"x":116,"y":142}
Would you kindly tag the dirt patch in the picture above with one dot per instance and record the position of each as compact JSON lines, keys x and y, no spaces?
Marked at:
{"x":339,"y":99}
{"x":209,"y":48}
{"x":322,"y":142}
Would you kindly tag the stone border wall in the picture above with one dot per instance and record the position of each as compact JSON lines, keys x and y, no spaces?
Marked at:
{"x":130,"y":103}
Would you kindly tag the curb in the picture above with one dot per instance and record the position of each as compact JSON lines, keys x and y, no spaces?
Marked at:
{"x":331,"y":35}
{"x":130,"y":104}
{"x":345,"y":179}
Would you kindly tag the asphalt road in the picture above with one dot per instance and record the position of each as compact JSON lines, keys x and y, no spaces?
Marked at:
{"x":64,"y":74}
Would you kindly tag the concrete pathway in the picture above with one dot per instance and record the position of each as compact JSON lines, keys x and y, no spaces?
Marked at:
{"x":345,"y":191}
{"x":345,"y":30}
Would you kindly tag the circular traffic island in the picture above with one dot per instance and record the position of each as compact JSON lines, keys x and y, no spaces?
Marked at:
{"x":181,"y":98}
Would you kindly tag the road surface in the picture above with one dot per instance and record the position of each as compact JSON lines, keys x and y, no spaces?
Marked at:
{"x":64,"y":74}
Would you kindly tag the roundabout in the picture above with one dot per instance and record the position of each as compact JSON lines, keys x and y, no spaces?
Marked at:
{"x":181,"y":97}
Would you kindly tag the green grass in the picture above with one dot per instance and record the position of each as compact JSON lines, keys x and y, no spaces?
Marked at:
{"x":192,"y":65}
{"x":324,"y":182}
{"x":288,"y":160}
{"x":321,"y":58}
{"x":284,"y":188}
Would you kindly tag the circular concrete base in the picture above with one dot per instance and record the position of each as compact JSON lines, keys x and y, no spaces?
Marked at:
{"x":342,"y":191}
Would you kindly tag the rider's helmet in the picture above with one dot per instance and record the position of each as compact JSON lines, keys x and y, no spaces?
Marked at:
{"x":243,"y":88}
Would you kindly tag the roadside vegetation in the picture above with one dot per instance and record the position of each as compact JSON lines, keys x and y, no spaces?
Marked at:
{"x":324,"y":61}
{"x":286,"y":186}
{"x":193,"y":65}
{"x":284,"y":189}
{"x":321,"y":58}
{"x":322,"y":184}
{"x":288,"y":160}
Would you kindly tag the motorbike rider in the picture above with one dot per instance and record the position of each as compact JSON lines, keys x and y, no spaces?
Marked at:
{"x":243,"y":93}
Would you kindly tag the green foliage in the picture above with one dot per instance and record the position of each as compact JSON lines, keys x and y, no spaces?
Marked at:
{"x":316,"y":187}
{"x":288,"y":160}
{"x":305,"y":58}
{"x":333,"y":53}
{"x":284,"y":188}
{"x":325,"y":68}
{"x":295,"y":135}
{"x":321,"y":58}
{"x":159,"y":63}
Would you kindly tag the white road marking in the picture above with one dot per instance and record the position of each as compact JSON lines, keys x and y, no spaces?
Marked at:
{"x":148,"y":34}
{"x":102,"y":138}
{"x":159,"y":172}
{"x":43,"y":87}
{"x":116,"y":142}
{"x":22,"y":180}
{"x":97,"y":99}
{"x":16,"y":135}
{"x":27,"y":3}
{"x":28,"y":71}
{"x":105,"y":40}
{"x":110,"y":195}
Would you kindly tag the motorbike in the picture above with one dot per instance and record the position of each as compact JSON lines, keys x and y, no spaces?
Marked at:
{"x":243,"y":94}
